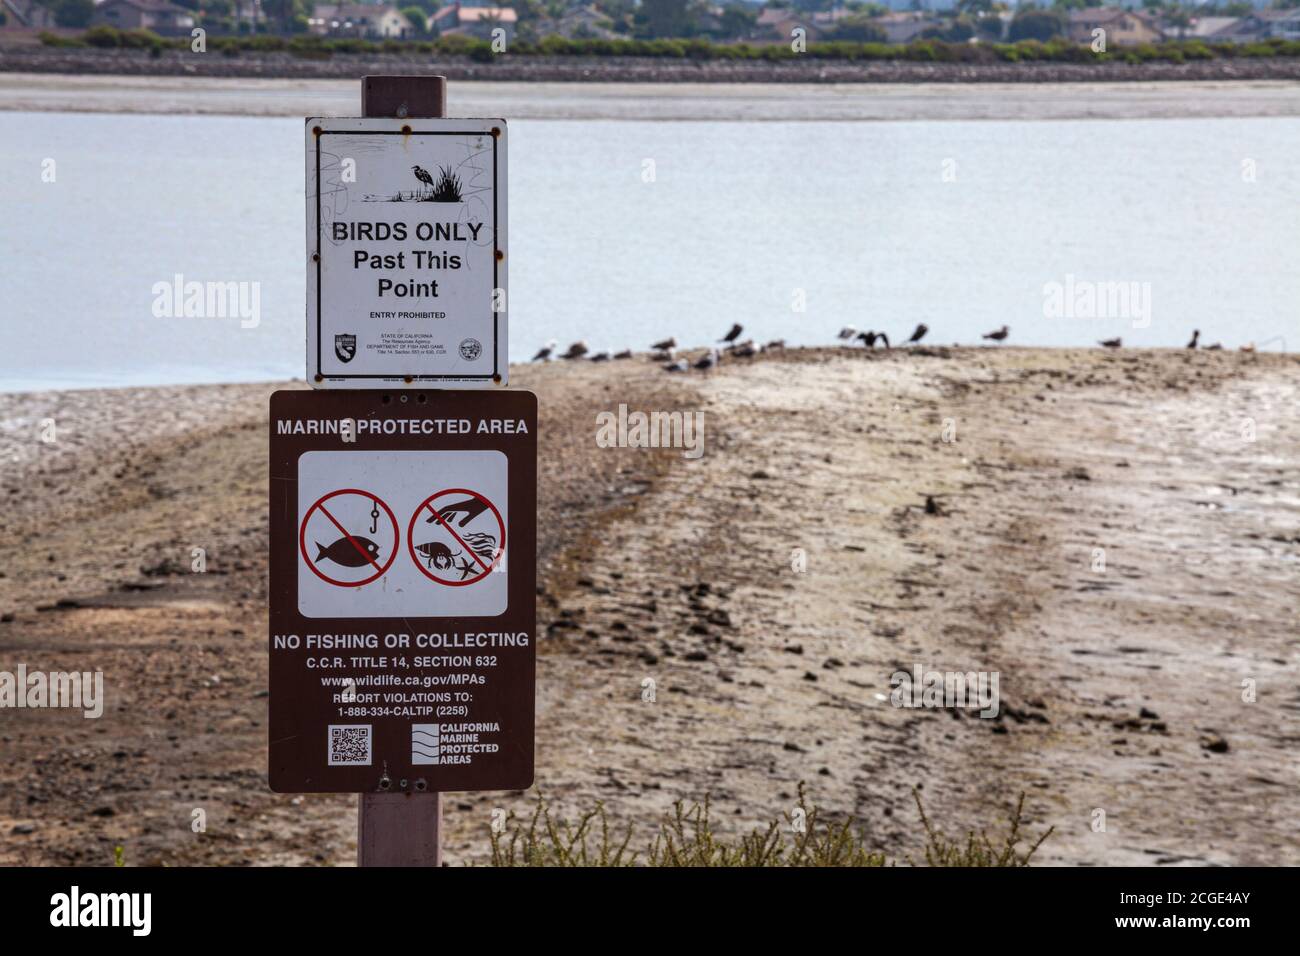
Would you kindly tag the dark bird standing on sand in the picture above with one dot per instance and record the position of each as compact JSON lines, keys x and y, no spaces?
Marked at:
{"x":1111,"y":343}
{"x":1196,"y":334}
{"x":546,"y":351}
{"x":600,"y":357}
{"x":678,"y":366}
{"x":919,"y":333}
{"x":625,"y":354}
{"x":774,"y":344}
{"x":667,"y":345}
{"x":576,"y":350}
{"x":709,"y":361}
{"x":734,"y":334}
{"x":999,"y":335}
{"x":423,"y":176}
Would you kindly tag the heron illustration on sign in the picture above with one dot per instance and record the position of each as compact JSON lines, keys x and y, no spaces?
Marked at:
{"x":447,"y":188}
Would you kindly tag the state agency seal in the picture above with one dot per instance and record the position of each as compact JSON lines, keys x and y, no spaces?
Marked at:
{"x":470,"y":349}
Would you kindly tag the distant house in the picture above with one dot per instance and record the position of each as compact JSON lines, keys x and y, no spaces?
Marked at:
{"x":26,"y":15}
{"x":1200,"y":28}
{"x":248,"y":12}
{"x":777,"y":25}
{"x":1123,"y":27}
{"x":1284,"y":24}
{"x":904,"y":27}
{"x":578,"y":23}
{"x":474,"y":21}
{"x":156,"y":15}
{"x":361,"y":20}
{"x":1002,"y":27}
{"x":708,"y":20}
{"x":1262,"y":25}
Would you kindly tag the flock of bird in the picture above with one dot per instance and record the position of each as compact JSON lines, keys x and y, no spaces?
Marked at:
{"x":1116,"y":343}
{"x":870,"y":337}
{"x":665,"y":350}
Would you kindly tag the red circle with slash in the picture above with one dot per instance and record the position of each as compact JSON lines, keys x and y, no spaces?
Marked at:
{"x":320,"y":503}
{"x":427,"y":503}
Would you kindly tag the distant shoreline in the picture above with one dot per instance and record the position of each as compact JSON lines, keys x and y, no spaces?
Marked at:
{"x":557,"y":69}
{"x":664,"y":102}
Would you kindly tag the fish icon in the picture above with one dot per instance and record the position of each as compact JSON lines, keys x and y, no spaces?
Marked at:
{"x":344,"y":552}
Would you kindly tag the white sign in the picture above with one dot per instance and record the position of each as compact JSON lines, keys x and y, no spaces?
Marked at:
{"x":406,"y":253}
{"x":402,"y":534}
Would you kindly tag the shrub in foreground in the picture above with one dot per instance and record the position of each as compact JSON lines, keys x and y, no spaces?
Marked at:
{"x":686,"y":838}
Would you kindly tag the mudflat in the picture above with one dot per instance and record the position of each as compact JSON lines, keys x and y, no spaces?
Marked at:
{"x":713,"y":102}
{"x":1114,"y":534}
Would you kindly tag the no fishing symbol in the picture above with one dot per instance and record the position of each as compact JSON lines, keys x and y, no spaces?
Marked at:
{"x":461,"y":537}
{"x":348,"y":538}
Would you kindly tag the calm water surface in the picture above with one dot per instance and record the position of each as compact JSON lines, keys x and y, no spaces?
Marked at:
{"x":742,"y":222}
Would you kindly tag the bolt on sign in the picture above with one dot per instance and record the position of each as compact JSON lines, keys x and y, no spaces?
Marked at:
{"x":406,"y":253}
{"x":403,"y":590}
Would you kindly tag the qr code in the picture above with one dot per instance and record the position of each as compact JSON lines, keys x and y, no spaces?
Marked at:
{"x":349,"y":745}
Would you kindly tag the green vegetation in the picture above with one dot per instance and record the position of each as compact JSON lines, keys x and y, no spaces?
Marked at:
{"x":686,"y":838}
{"x":1031,"y":24}
{"x":1056,"y":50}
{"x":417,"y":17}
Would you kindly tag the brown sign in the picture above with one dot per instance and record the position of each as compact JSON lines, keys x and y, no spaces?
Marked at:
{"x":403,"y":590}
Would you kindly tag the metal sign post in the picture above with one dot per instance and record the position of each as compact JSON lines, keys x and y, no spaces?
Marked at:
{"x":407,"y":242}
{"x":401,"y":829}
{"x":402,"y":515}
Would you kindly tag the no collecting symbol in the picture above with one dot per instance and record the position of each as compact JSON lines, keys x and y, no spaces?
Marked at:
{"x":460,"y":543}
{"x":340,"y":549}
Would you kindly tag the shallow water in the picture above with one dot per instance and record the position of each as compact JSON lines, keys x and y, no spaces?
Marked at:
{"x":961,"y":225}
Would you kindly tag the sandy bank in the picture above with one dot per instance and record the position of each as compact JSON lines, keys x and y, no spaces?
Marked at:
{"x":1115,"y":683}
{"x":665,"y":101}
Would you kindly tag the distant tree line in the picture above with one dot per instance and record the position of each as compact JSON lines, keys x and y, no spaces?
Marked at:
{"x":1056,"y":49}
{"x":696,"y":19}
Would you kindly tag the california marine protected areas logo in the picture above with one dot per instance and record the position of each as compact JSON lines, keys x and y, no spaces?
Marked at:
{"x":470,"y":349}
{"x":345,"y":347}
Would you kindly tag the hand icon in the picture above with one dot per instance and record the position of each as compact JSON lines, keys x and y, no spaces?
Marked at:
{"x":471,"y":508}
